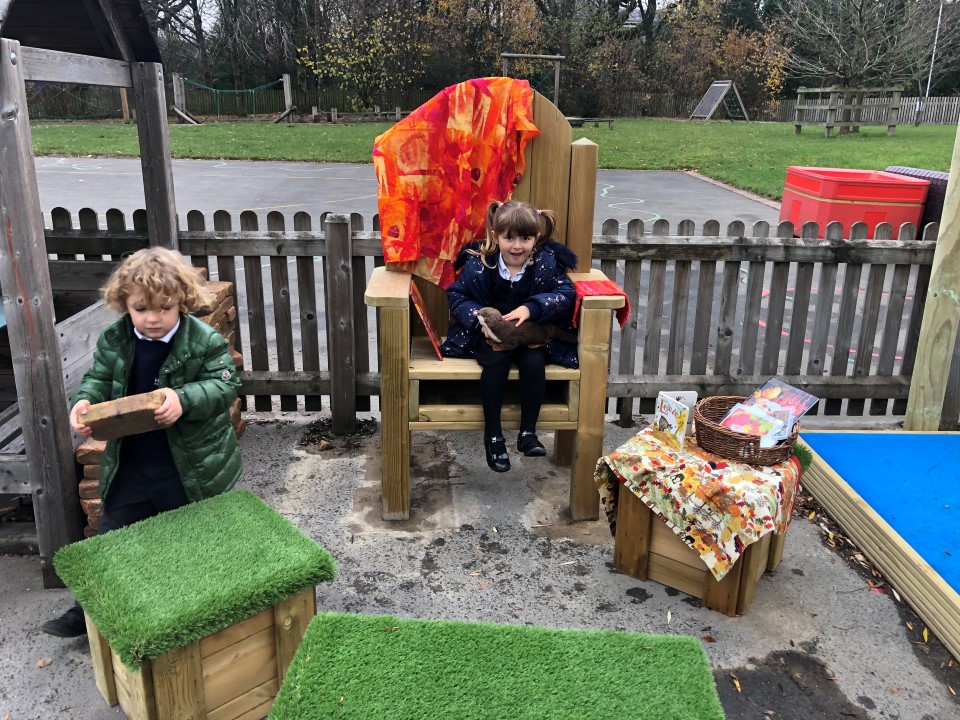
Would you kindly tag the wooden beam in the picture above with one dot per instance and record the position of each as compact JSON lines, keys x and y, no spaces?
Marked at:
{"x":63,"y":67}
{"x":114,"y":29}
{"x":28,"y":303}
{"x":941,"y":315}
{"x":155,"y":154}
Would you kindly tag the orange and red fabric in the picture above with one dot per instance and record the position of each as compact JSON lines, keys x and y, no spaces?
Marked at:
{"x":439,"y":168}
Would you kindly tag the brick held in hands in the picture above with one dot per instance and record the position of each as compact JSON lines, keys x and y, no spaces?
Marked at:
{"x":125,"y":416}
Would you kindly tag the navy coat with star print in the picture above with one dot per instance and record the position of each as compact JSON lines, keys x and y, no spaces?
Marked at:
{"x":544,"y":288}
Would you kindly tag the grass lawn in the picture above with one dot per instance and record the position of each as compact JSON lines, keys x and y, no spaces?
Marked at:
{"x":753,"y":156}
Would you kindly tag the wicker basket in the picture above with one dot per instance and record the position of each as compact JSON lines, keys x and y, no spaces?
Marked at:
{"x":713,"y":437}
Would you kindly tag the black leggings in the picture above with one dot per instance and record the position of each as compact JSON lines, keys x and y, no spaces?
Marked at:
{"x":493,"y":384}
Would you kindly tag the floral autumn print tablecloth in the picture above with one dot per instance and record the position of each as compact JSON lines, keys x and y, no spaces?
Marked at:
{"x":716,"y":506}
{"x":439,"y":168}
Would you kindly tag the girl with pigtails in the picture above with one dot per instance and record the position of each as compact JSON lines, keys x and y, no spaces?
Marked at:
{"x":521,"y":271}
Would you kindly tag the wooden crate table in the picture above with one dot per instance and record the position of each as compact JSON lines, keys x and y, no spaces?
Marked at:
{"x":696,"y":522}
{"x":197,"y":612}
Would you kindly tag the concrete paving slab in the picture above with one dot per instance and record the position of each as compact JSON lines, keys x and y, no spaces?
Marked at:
{"x":816,"y":643}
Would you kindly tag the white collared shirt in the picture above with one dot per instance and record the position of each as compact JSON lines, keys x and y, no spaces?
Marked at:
{"x":165,"y":339}
{"x":505,"y":271}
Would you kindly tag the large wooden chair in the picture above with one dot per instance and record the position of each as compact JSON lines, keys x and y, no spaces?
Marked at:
{"x":419,"y":392}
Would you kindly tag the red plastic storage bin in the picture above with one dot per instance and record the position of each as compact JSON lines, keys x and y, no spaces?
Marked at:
{"x":825,"y":195}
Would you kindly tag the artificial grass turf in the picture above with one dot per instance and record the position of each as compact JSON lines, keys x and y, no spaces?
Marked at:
{"x":366,"y":667}
{"x":175,"y":578}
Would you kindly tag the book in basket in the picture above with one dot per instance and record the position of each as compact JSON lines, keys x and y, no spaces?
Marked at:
{"x":670,"y":421}
{"x":783,"y":402}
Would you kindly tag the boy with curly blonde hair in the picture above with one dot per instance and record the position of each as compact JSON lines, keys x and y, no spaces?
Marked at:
{"x":157,"y":344}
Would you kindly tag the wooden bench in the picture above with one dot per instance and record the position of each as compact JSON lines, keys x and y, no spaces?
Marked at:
{"x":580,"y":121}
{"x":420,"y":392}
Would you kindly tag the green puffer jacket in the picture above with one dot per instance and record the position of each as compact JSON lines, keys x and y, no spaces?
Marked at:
{"x":203,"y":443}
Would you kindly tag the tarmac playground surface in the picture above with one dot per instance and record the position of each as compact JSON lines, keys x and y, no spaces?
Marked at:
{"x":821,"y":640}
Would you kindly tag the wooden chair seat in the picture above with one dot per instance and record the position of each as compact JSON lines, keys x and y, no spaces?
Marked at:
{"x":420,"y":392}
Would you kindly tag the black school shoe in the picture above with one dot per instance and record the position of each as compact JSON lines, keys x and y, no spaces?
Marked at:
{"x":496,"y":451}
{"x":529,"y":444}
{"x":69,"y":625}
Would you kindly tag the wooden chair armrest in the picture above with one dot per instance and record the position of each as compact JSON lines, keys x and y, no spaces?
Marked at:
{"x":388,"y":288}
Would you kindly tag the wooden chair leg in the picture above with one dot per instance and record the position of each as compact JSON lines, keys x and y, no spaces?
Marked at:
{"x":594,"y":352}
{"x":563,"y":444}
{"x":394,"y":409}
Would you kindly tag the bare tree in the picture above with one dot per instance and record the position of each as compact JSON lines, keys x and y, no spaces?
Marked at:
{"x":861,"y":42}
{"x":180,"y":32}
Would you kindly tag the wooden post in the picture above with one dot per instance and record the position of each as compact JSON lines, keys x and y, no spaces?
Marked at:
{"x":177,"y":82}
{"x":340,"y":351}
{"x":125,"y":106}
{"x":28,"y":303}
{"x":556,"y":83}
{"x":893,"y":111}
{"x":941,"y":315}
{"x":798,"y":110}
{"x":287,"y":92}
{"x":831,"y":114}
{"x":155,"y":154}
{"x":333,"y":115}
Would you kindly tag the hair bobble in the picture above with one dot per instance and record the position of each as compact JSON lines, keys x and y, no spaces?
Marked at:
{"x":539,"y":212}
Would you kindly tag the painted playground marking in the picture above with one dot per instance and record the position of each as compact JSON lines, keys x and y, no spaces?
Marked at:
{"x":622,"y":206}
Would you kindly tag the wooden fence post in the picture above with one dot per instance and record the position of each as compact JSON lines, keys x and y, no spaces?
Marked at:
{"x":798,"y":110}
{"x":831,"y":114}
{"x":28,"y":303}
{"x":893,"y":111}
{"x":340,"y":350}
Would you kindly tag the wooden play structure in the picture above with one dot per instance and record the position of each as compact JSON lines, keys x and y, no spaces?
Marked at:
{"x":419,"y":392}
{"x":721,"y":92}
{"x":102,"y":42}
{"x":847,"y":108}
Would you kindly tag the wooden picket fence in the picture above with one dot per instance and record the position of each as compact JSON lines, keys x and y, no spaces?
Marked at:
{"x":715,"y":309}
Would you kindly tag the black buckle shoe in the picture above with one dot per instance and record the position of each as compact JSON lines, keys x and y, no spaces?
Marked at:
{"x":529,"y":444}
{"x":69,"y":625}
{"x":496,"y":450}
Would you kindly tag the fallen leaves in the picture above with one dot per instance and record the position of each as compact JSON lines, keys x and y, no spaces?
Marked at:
{"x":736,"y":682}
{"x":44,"y":662}
{"x":926,"y":635}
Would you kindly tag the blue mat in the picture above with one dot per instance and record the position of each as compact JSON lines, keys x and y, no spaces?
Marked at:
{"x":911,"y":480}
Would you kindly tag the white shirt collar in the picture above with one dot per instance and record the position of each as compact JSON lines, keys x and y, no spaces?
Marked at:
{"x":505,"y":271}
{"x":165,"y":339}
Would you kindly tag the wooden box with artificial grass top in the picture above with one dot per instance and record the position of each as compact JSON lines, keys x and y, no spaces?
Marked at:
{"x":197,"y":612}
{"x":367,"y":667}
